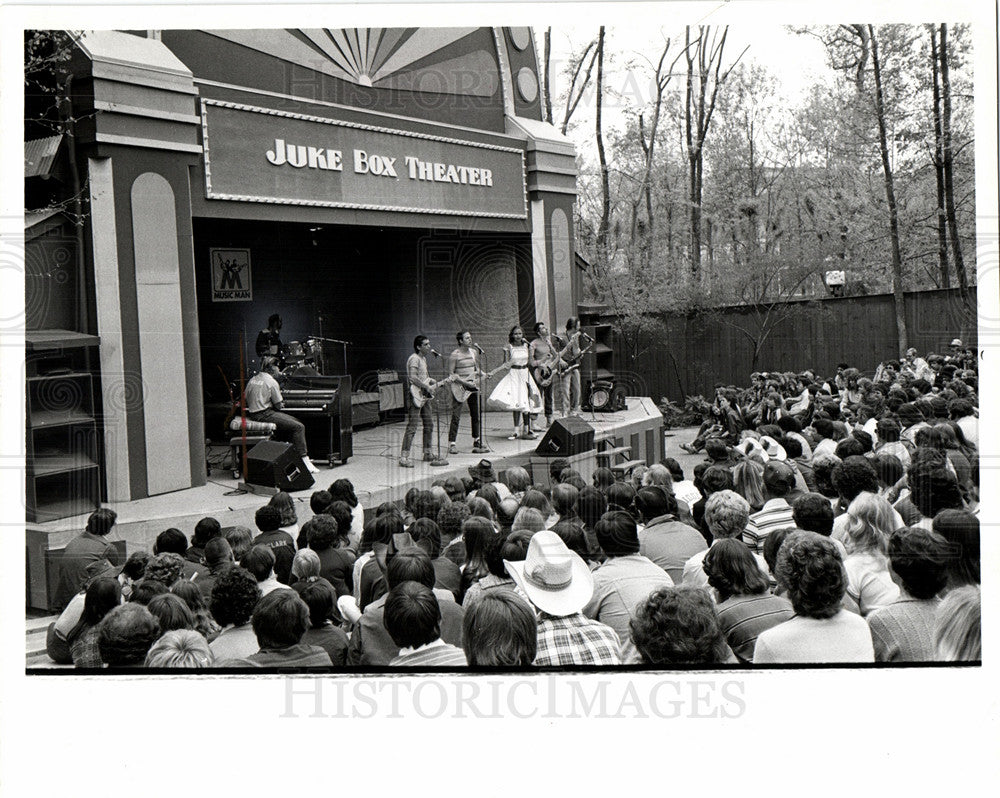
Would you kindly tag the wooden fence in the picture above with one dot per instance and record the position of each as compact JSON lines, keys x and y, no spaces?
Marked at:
{"x":695,"y":352}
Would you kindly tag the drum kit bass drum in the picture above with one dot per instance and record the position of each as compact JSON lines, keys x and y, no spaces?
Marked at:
{"x":303,"y":353}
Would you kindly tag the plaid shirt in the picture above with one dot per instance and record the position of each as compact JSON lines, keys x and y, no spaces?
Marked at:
{"x":576,"y":640}
{"x":86,"y":652}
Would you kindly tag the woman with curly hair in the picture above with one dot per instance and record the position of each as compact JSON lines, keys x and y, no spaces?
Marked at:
{"x":234,"y":596}
{"x":870,"y":522}
{"x":180,"y":648}
{"x":677,"y":626}
{"x":126,"y":634}
{"x":810,"y":569}
{"x":746,"y":607}
{"x":204,"y":623}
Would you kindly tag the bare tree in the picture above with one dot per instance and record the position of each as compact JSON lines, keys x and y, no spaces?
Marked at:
{"x":602,"y":229}
{"x":938,"y":160}
{"x":947,"y":157}
{"x":547,"y":78}
{"x":704,"y":77}
{"x":899,"y":300}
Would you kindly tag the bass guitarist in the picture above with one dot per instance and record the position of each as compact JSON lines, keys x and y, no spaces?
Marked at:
{"x":463,"y":364}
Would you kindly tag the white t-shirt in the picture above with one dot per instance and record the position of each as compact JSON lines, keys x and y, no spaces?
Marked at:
{"x":843,"y":638}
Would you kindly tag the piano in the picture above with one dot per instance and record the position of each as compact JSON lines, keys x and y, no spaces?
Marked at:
{"x":323,"y":404}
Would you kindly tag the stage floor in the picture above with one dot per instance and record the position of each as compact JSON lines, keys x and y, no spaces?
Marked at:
{"x":373,"y":469}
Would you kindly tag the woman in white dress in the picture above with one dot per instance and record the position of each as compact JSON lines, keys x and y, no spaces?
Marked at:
{"x":517,"y":391}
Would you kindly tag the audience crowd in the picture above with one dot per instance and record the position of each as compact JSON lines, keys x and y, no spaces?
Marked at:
{"x":833,"y":520}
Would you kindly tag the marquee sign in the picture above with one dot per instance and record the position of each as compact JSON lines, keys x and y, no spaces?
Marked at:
{"x":263,"y":155}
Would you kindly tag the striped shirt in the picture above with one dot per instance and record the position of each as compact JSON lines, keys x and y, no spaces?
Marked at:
{"x":576,"y":640}
{"x":904,"y":631}
{"x":436,"y":654}
{"x":775,"y":514}
{"x":743,"y":618}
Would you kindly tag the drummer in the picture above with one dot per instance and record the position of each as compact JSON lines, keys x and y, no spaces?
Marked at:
{"x":269,"y":340}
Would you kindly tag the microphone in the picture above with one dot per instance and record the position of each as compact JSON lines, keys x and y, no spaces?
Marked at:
{"x":479,"y":349}
{"x":435,"y":353}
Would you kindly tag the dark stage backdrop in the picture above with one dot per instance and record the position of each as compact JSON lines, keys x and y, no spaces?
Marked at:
{"x":703,"y":350}
{"x":376,"y":287}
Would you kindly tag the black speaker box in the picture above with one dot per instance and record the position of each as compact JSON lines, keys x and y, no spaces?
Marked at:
{"x":272,"y":464}
{"x":566,"y":437}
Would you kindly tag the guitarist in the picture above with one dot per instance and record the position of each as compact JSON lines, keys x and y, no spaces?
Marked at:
{"x":569,"y":377}
{"x":463,"y":365}
{"x":420,"y":385}
{"x":543,"y":357}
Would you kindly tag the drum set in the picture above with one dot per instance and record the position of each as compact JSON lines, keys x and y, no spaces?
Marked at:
{"x":303,"y":357}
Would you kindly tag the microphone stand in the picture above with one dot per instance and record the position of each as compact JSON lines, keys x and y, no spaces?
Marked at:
{"x":435,"y":400}
{"x":481,"y":399}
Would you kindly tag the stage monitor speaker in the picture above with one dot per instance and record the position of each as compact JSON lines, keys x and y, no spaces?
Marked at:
{"x":605,"y":396}
{"x":566,"y":437}
{"x":272,"y":464}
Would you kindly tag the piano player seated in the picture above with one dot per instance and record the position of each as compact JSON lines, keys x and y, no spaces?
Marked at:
{"x":264,"y":403}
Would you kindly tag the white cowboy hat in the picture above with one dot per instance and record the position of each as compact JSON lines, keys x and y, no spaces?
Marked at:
{"x":773,"y":449}
{"x":555,"y":579}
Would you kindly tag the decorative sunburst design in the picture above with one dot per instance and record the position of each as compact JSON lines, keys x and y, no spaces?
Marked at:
{"x":380,"y":57}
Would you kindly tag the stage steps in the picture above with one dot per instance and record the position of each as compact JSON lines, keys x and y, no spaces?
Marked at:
{"x":35,"y":654}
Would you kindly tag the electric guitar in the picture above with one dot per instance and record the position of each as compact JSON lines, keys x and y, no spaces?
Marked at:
{"x":461,"y":390}
{"x":546,"y":373}
{"x":421,"y":395}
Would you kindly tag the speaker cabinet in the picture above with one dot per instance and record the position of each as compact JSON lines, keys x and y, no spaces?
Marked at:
{"x":566,"y":437}
{"x":272,"y":464}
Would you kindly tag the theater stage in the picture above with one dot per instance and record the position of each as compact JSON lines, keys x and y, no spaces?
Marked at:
{"x":373,"y":469}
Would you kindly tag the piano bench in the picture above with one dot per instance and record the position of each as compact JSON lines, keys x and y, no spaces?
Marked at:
{"x":236,"y":445}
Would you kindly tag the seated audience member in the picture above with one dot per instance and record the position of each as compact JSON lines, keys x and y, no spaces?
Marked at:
{"x":86,"y":556}
{"x":512,"y":547}
{"x":603,"y":478}
{"x":103,"y":595}
{"x":792,"y":428}
{"x":961,"y":530}
{"x":240,"y":540}
{"x":621,"y":496}
{"x":370,"y":642}
{"x":776,"y":512}
{"x":171,"y":612}
{"x":413,"y":621}
{"x":166,"y":568}
{"x":812,"y":512}
{"x":234,"y":597}
{"x":933,"y":488}
{"x":259,"y":561}
{"x":713,"y":479}
{"x":888,"y":431}
{"x":538,"y":501}
{"x":802,"y":472}
{"x":624,"y":580}
{"x":810,"y":570}
{"x":336,"y":564}
{"x":305,"y":565}
{"x":591,"y":505}
{"x":851,"y":477}
{"x":963,"y":413}
{"x":174,"y":541}
{"x":528,"y":519}
{"x":483,"y":473}
{"x":957,"y":629}
{"x":455,"y":488}
{"x":279,"y":621}
{"x":478,"y":534}
{"x":125,"y":636}
{"x":272,"y":536}
{"x":427,"y":535}
{"x":518,"y":481}
{"x":904,"y":630}
{"x":321,"y":598}
{"x":341,"y":513}
{"x":823,"y":466}
{"x":205,"y":530}
{"x":677,"y":626}
{"x":665,"y":540}
{"x":289,"y":518}
{"x":719,"y":454}
{"x":342,"y":490}
{"x":575,"y":539}
{"x":219,"y":559}
{"x":388,"y":528}
{"x":506,"y":514}
{"x":869,"y":525}
{"x":63,"y":631}
{"x":727,"y":514}
{"x":500,"y":630}
{"x":144,"y":591}
{"x":449,"y":520}
{"x":912,"y":421}
{"x":558,"y":584}
{"x":889,"y":470}
{"x":748,"y":481}
{"x":204,"y":623}
{"x":180,"y":648}
{"x":745,"y":605}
